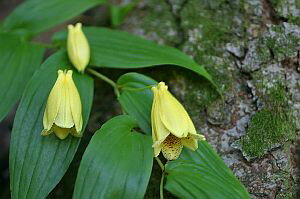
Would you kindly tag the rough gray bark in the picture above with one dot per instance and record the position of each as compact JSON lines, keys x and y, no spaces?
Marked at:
{"x":251,"y":48}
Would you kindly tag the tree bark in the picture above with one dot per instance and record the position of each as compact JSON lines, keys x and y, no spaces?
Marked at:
{"x":251,"y":48}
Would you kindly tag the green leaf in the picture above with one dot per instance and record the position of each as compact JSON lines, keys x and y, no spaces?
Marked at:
{"x":116,"y":164}
{"x":37,"y":163}
{"x":136,"y":98}
{"x":18,"y":61}
{"x":117,"y":49}
{"x":202,"y":174}
{"x":36,"y":16}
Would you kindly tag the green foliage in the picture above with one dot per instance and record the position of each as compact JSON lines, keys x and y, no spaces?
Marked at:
{"x":116,"y":164}
{"x":136,"y":93}
{"x":123,"y":50}
{"x":19,"y":60}
{"x":34,"y":16}
{"x":272,"y":125}
{"x":117,"y":49}
{"x":37,"y":163}
{"x":200,"y":173}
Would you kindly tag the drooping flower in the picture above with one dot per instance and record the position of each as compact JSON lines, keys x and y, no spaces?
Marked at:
{"x":172,"y":128}
{"x":63,"y":113}
{"x":78,"y":47}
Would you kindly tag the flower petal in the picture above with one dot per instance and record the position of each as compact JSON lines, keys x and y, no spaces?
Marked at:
{"x":64,"y":117}
{"x":46,"y":132}
{"x":172,"y":114}
{"x":171,"y":147}
{"x":190,"y":142}
{"x":61,"y":133}
{"x":159,"y":131}
{"x":157,"y":149}
{"x":75,"y":103}
{"x":53,"y":102}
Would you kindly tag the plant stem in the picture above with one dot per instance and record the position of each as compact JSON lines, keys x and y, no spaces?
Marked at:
{"x":160,"y":164}
{"x":106,"y":79}
{"x":161,"y":187}
{"x":45,"y":45}
{"x":136,"y":89}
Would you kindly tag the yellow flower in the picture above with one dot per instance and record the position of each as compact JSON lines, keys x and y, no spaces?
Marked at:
{"x":63,"y":110}
{"x":78,"y":47}
{"x":172,"y":128}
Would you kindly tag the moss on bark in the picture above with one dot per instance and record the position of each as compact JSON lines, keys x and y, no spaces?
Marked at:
{"x":272,"y":125}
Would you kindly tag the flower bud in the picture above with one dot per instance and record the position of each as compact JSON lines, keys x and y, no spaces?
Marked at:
{"x":78,"y":47}
{"x":63,"y":113}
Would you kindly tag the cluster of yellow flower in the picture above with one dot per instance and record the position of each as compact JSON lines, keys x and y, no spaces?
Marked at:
{"x":172,"y":128}
{"x":63,"y":114}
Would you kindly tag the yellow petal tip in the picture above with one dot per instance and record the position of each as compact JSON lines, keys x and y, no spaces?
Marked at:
{"x":78,"y":25}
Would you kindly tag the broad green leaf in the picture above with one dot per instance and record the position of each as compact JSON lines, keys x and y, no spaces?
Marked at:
{"x":18,"y":61}
{"x":37,"y":163}
{"x":116,"y":164}
{"x":37,"y":16}
{"x":136,"y":97}
{"x":200,"y":174}
{"x":117,"y":49}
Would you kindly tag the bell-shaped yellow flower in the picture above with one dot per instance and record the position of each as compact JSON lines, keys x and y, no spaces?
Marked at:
{"x":78,"y":47}
{"x":63,"y":114}
{"x":172,"y":128}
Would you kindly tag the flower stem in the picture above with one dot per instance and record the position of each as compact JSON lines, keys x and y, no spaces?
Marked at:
{"x":160,"y":164}
{"x":106,"y":79}
{"x":45,"y":45}
{"x":161,"y":187}
{"x":135,"y":89}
